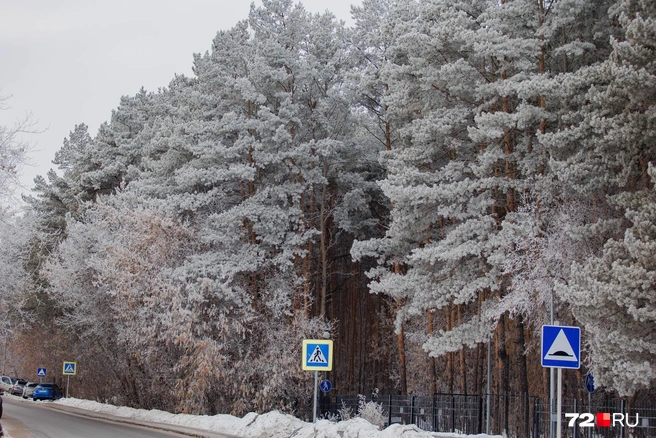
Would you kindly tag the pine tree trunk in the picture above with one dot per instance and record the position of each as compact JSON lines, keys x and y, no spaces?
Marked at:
{"x":502,"y":368}
{"x":523,"y":372}
{"x":400,"y":341}
{"x":353,"y":342}
{"x":324,"y":242}
{"x":308,"y":266}
{"x":523,"y":362}
{"x":403,"y":383}
{"x":477,"y":371}
{"x":463,"y":366}
{"x":431,"y":359}
{"x":251,"y":192}
{"x":450,"y":356}
{"x":644,"y":167}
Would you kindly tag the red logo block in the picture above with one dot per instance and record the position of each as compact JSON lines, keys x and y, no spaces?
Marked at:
{"x":603,"y":419}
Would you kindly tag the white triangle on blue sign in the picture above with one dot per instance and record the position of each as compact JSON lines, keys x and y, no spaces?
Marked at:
{"x":41,"y":373}
{"x":561,"y":349}
{"x":318,"y":357}
{"x":69,"y":369}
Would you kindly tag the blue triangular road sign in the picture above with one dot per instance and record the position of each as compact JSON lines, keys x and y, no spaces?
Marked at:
{"x":561,"y":346}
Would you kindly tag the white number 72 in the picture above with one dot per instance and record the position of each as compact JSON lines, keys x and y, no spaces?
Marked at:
{"x":588,"y":419}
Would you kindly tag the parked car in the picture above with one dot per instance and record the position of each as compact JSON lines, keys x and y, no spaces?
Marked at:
{"x":47,"y":391}
{"x":28,"y":389}
{"x":17,"y":389}
{"x":6,"y":383}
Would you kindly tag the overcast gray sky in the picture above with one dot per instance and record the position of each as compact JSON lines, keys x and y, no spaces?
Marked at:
{"x":69,"y":61}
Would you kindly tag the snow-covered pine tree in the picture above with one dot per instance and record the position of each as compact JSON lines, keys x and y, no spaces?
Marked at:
{"x":116,"y":147}
{"x":291,"y":120}
{"x":612,"y":296}
{"x":257,"y":160}
{"x":370,"y":41}
{"x":471,"y":79}
{"x":604,"y":152}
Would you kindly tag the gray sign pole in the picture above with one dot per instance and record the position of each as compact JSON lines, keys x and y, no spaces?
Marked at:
{"x":316,"y":395}
{"x":559,"y":405}
{"x":551,"y":376}
{"x":561,"y":348}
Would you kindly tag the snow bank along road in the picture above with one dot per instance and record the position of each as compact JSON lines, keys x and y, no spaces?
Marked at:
{"x":69,"y":418}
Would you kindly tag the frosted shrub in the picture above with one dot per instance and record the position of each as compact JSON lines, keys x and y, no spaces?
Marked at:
{"x":371,"y":411}
{"x":333,"y":418}
{"x":345,"y":413}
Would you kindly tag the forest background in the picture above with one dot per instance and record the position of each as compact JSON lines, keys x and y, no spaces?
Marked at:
{"x":439,"y":176}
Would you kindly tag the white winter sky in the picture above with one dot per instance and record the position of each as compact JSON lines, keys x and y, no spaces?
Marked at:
{"x":69,"y":61}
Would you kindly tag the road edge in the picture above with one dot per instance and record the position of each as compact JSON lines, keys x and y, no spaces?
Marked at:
{"x":183,"y":430}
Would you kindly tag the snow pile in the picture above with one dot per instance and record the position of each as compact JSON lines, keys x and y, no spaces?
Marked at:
{"x":360,"y":428}
{"x":272,"y":424}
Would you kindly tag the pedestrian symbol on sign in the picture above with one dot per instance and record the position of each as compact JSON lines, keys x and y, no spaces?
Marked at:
{"x":318,"y":357}
{"x":325,"y":385}
{"x":70,"y":369}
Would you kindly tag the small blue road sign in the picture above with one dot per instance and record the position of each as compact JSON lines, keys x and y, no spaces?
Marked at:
{"x":561,"y":346}
{"x":325,"y":385}
{"x":70,"y":369}
{"x":41,"y":372}
{"x":589,"y":383}
{"x":317,"y":355}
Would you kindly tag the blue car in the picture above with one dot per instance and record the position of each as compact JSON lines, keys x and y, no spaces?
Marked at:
{"x":47,"y":391}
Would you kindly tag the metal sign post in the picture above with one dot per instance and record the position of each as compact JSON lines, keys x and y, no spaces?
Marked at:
{"x":317,"y":356}
{"x":316,"y":396}
{"x":590,"y":386}
{"x":561,"y":348}
{"x":69,"y":369}
{"x":559,"y":405}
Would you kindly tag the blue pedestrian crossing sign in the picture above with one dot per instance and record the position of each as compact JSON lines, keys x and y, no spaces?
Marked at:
{"x":561,"y":346}
{"x":70,"y":369}
{"x":317,"y":355}
{"x":325,"y":385}
{"x":41,"y":372}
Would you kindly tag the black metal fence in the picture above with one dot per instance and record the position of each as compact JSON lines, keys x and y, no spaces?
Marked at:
{"x":514,"y":415}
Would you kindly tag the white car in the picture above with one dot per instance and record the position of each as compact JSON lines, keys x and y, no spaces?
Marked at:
{"x":28,"y":389}
{"x":6,"y":383}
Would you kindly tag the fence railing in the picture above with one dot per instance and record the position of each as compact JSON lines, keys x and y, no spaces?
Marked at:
{"x":515,"y":415}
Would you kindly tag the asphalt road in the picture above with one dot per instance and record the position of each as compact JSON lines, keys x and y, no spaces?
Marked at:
{"x":36,"y":420}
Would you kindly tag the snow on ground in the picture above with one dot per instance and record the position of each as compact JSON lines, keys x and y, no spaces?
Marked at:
{"x":269,"y":425}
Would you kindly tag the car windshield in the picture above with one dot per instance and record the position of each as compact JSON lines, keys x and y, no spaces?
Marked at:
{"x":46,"y":385}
